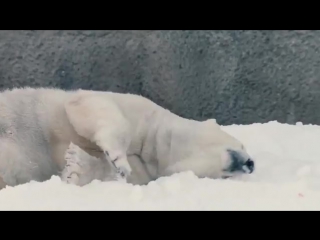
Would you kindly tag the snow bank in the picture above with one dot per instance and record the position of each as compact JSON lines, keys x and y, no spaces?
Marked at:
{"x":287,"y":177}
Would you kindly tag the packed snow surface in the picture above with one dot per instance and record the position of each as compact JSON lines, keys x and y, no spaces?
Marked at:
{"x":287,"y":177}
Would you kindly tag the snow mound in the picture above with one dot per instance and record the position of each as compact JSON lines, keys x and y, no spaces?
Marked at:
{"x":287,"y":177}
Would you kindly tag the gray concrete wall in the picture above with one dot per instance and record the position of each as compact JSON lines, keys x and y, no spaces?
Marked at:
{"x":234,"y":76}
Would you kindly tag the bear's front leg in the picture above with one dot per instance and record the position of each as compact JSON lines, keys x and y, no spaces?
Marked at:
{"x":111,"y":142}
{"x":97,"y":118}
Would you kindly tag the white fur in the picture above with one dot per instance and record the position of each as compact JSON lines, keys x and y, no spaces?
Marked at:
{"x":38,"y":125}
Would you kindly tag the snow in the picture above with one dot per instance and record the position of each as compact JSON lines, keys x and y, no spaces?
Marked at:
{"x":287,"y":177}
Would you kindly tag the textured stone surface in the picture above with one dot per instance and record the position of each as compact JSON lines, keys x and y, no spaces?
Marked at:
{"x":233,"y":76}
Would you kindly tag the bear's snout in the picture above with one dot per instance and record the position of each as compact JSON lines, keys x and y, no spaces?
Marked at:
{"x":240,"y":162}
{"x":250,"y":165}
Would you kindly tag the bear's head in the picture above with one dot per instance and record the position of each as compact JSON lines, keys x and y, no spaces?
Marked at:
{"x":208,"y":151}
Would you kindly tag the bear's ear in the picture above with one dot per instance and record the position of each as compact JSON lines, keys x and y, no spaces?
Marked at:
{"x":211,"y":122}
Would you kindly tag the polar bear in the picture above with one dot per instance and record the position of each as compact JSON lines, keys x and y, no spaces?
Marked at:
{"x":121,"y":131}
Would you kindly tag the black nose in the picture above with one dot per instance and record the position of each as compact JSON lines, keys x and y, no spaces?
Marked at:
{"x":250,"y":165}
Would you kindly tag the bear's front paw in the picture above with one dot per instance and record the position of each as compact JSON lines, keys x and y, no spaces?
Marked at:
{"x":122,"y":174}
{"x":120,"y":165}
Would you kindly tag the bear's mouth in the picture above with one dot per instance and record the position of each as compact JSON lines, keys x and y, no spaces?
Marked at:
{"x":226,"y":177}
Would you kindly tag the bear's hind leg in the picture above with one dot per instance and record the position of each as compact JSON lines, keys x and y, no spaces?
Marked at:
{"x":81,"y":168}
{"x":2,"y":183}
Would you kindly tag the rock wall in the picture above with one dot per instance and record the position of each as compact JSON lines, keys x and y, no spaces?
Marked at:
{"x":237,"y":77}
